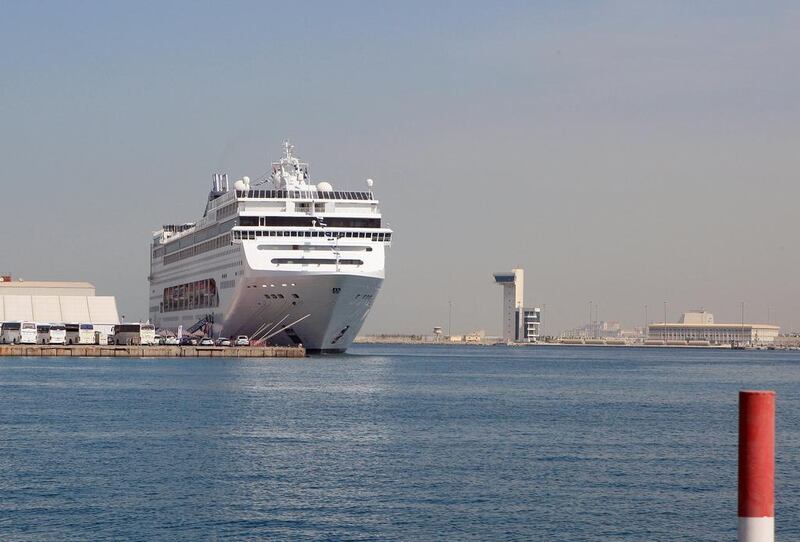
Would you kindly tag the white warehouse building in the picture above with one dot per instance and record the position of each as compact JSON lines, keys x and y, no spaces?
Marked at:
{"x":700,"y":326}
{"x":55,"y":302}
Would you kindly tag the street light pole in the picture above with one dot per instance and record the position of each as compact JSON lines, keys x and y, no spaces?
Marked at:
{"x":450,"y":319}
{"x":742,"y":334}
{"x":597,"y":321}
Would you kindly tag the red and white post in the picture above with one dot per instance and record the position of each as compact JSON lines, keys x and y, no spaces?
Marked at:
{"x":756,"y":466}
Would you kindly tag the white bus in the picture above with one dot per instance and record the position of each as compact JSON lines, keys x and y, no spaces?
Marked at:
{"x":58,"y":334}
{"x":42,"y":333}
{"x":80,"y":333}
{"x":10,"y":332}
{"x":135,"y":334}
{"x":27,"y":334}
{"x":19,"y":333}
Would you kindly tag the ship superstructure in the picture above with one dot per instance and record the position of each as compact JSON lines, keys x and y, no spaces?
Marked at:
{"x":283,"y":261}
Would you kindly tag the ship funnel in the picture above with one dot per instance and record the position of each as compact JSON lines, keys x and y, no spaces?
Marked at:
{"x":219,"y":182}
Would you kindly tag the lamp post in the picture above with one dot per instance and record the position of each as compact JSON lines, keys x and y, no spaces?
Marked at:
{"x":597,"y":321}
{"x":742,"y":332}
{"x":450,"y":319}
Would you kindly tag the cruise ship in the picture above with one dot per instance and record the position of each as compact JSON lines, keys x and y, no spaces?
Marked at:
{"x":281,"y":260}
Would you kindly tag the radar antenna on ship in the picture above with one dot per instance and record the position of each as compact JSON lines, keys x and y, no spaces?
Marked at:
{"x":289,"y":173}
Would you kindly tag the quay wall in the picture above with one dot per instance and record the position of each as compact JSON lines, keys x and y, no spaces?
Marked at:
{"x":153,"y":351}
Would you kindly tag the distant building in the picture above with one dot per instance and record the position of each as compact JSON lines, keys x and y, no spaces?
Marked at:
{"x":597,"y":330}
{"x":520,"y":324}
{"x":700,"y":326}
{"x":531,"y":321}
{"x":697,"y":318}
{"x":55,"y":302}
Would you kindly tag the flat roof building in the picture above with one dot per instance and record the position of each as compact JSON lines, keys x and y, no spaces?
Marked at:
{"x":700,"y":326}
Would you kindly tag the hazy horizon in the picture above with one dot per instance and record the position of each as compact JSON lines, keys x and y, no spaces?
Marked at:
{"x":625,"y":154}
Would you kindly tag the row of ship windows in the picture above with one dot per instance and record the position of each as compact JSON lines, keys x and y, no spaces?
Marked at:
{"x":274,"y":296}
{"x":252,"y":234}
{"x":192,"y":295}
{"x":305,"y":207}
{"x":305,"y":221}
{"x":206,"y":246}
{"x":318,"y":261}
{"x":304,"y":194}
{"x":227,"y":210}
{"x":191,"y":239}
{"x":199,"y":236}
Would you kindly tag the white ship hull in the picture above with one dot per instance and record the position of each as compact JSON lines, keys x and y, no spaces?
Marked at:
{"x":319,"y":319}
{"x":322,"y":310}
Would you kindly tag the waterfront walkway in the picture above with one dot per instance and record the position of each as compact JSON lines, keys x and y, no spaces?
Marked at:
{"x":137,"y":351}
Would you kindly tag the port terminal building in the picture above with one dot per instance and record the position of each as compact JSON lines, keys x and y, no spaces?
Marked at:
{"x":700,"y":326}
{"x":55,"y":302}
{"x":520,"y":324}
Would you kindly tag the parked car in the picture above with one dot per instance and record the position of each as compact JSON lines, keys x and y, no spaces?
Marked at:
{"x":188,"y":341}
{"x":158,"y":339}
{"x":206,"y":341}
{"x":223,"y":341}
{"x":171,"y":341}
{"x":242,"y":340}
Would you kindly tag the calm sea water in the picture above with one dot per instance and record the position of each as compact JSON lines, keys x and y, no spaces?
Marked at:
{"x":389,"y":443}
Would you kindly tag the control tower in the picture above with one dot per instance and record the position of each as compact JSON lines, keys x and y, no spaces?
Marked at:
{"x":520,"y":324}
{"x":513,"y":288}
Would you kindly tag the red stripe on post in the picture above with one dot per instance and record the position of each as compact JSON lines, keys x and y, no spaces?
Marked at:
{"x":756,"y":454}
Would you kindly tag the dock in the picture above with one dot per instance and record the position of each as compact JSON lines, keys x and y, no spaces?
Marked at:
{"x":138,"y":351}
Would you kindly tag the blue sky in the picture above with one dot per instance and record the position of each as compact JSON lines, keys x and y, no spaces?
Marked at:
{"x":624,"y":153}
